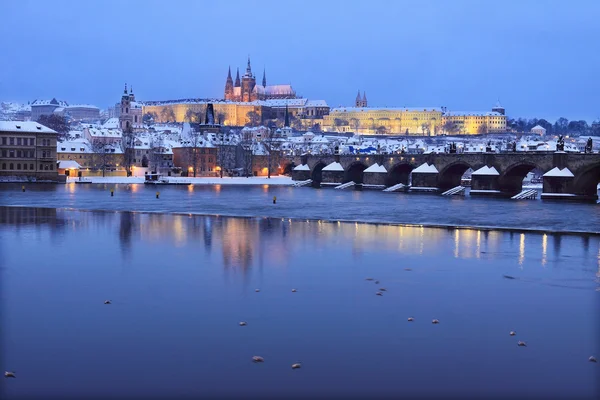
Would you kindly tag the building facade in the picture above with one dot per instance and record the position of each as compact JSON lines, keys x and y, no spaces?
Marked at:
{"x":27,"y":151}
{"x":473,"y":122}
{"x":246,"y":89}
{"x":369,"y":120}
{"x":82,"y":112}
{"x":45,"y":107}
{"x":236,"y":113}
{"x":196,"y":161}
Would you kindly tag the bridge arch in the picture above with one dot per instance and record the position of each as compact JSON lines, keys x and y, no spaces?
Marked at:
{"x":399,"y":173}
{"x":355,"y":172}
{"x":317,"y":172}
{"x":511,"y":179}
{"x":586,"y":181}
{"x":451,"y":174}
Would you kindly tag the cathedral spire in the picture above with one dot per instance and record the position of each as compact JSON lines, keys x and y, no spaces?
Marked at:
{"x":364,"y":99}
{"x":248,"y":68}
{"x":358,"y":100}
{"x":287,"y":117}
{"x":264,"y":81}
{"x":229,"y":73}
{"x":237,"y":78}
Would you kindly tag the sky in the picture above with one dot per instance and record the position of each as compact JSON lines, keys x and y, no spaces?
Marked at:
{"x":540,"y":58}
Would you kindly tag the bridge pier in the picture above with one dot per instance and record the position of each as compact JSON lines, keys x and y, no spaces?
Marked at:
{"x":485,"y":182}
{"x":424,"y":178}
{"x":375,"y":175}
{"x":559,"y":185}
{"x":301,"y":173}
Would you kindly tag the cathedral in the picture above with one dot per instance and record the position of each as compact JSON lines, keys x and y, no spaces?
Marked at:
{"x":246,"y":89}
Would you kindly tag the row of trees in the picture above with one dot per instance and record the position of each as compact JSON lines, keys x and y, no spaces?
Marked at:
{"x":104,"y":152}
{"x":562,"y":126}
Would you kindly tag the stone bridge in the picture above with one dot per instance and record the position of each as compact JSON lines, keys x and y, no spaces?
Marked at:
{"x":572,"y":176}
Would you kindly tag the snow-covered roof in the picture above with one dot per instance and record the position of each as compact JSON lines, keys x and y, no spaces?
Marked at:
{"x":68,"y":164}
{"x":73,"y":146}
{"x":284,"y":102}
{"x":52,"y":102}
{"x":81,"y":106}
{"x":376,"y":168}
{"x":334,"y":166}
{"x":316,"y":103}
{"x":111,"y":123}
{"x":303,"y":167}
{"x":116,"y":133}
{"x":426,"y":168}
{"x":14,"y":107}
{"x":472,"y":114}
{"x":538,"y":128}
{"x":563,"y":173}
{"x":24,"y":126}
{"x":485,"y":170}
{"x":275,"y":90}
{"x":383,"y":109}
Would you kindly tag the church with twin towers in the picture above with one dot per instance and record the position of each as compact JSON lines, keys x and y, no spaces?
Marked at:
{"x":246,"y":89}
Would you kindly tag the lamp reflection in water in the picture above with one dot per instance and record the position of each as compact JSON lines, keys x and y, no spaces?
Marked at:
{"x":521,"y":249}
{"x":544,"y":249}
{"x":456,"y":242}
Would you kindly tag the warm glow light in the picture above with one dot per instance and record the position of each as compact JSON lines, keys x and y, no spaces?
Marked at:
{"x":544,"y":249}
{"x":521,"y":249}
{"x":190,"y":169}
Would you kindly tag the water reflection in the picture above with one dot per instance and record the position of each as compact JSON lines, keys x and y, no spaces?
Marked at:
{"x":521,"y":249}
{"x":249,"y":242}
{"x":190,"y":279}
{"x":544,"y":249}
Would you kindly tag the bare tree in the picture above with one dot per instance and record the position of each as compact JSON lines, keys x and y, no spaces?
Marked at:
{"x":101,"y":154}
{"x":192,"y":151}
{"x":167,"y":114}
{"x":338,"y":122}
{"x":156,"y":153}
{"x":483,"y":128}
{"x":247,"y":155}
{"x":268,"y":142}
{"x":189,"y":115}
{"x":450,"y":127}
{"x":355,"y":124}
{"x":253,"y":118}
{"x":381,"y":130}
{"x":221,"y":118}
{"x":128,"y":148}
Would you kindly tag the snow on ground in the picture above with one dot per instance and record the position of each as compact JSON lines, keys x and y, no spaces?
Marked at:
{"x":274,"y":180}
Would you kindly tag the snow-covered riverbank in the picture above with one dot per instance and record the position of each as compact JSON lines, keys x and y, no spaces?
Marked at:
{"x":274,"y":180}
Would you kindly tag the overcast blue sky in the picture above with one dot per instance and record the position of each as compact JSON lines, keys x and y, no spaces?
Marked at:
{"x":540,"y":58}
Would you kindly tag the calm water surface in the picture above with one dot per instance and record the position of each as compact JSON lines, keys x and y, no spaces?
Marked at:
{"x":181,"y":284}
{"x":308,"y":203}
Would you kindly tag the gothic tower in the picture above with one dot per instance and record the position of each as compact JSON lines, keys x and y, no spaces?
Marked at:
{"x":126,"y":117}
{"x":229,"y":86}
{"x":237,"y":78}
{"x":248,"y":83}
{"x":364,"y":99}
{"x":358,"y":101}
{"x":264,"y":81}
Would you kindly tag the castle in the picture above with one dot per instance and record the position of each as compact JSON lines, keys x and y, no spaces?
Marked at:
{"x":246,"y":89}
